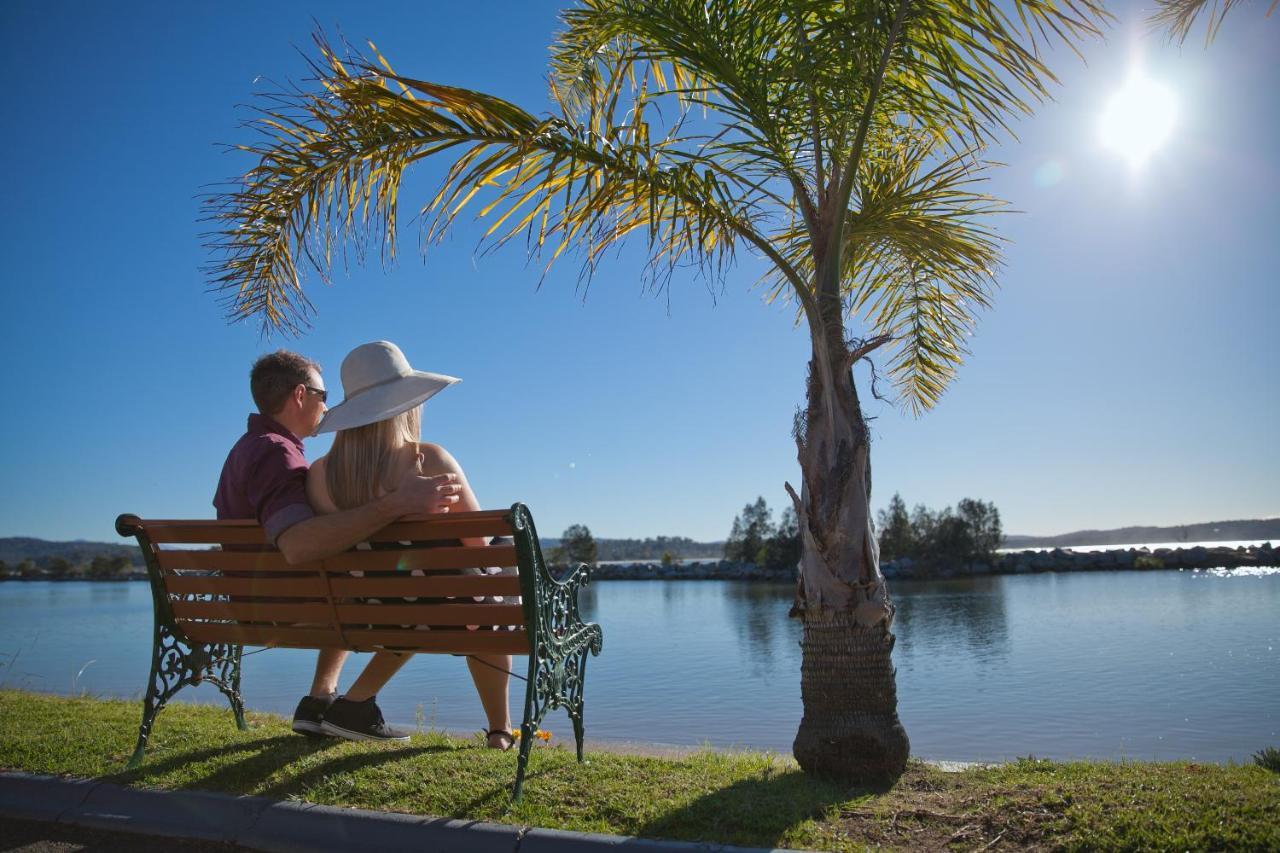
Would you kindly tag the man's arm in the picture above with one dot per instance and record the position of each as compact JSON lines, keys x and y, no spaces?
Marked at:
{"x":325,"y":535}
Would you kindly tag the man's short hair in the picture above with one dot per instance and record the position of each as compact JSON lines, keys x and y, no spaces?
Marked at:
{"x":275,"y":375}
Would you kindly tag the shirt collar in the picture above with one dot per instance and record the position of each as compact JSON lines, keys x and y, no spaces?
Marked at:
{"x":260,"y":424}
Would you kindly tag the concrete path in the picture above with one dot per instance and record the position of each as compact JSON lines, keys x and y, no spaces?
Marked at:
{"x":259,"y":824}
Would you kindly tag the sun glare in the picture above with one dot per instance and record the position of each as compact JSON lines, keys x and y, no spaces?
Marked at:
{"x":1138,"y":119}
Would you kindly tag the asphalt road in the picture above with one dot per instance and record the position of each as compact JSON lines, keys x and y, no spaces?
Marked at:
{"x":26,"y":836}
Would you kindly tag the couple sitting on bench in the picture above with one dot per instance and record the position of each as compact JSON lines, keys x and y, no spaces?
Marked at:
{"x":377,"y":471}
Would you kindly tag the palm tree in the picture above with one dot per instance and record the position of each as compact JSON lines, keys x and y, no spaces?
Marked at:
{"x":840,"y":141}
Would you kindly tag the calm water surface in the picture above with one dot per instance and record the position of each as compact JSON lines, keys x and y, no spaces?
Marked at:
{"x":1157,"y":665}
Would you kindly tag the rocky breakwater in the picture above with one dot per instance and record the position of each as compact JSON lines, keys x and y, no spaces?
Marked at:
{"x":711,"y":570}
{"x":1067,"y":560}
{"x":1008,"y":563}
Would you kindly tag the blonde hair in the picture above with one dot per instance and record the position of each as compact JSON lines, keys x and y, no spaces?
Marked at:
{"x":363,"y":457}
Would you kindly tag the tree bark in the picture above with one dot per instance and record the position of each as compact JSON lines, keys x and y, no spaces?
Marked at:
{"x":850,"y":729}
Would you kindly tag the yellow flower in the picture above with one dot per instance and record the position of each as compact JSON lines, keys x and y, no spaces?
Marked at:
{"x":545,"y":735}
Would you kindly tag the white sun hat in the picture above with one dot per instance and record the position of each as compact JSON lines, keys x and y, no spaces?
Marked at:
{"x":378,"y":383}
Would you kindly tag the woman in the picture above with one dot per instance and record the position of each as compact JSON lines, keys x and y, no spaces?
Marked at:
{"x":377,"y":441}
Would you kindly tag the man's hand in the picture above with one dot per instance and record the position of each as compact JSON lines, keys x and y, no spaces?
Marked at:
{"x":416,"y":494}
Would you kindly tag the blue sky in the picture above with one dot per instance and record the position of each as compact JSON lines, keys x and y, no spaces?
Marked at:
{"x":1127,"y":374}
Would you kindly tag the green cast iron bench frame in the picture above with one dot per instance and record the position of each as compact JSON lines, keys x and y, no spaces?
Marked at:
{"x":227,"y":587}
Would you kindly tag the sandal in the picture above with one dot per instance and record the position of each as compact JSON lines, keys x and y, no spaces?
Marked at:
{"x":492,"y":733}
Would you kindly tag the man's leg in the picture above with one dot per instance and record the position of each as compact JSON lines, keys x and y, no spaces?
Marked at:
{"x":328,"y":667}
{"x":489,"y":672}
{"x":356,"y":715}
{"x":376,"y":673}
{"x":309,"y":716}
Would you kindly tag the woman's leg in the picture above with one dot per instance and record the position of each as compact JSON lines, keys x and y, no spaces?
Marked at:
{"x":489,"y":672}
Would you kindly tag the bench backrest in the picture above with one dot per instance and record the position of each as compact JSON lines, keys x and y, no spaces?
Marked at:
{"x":223,"y":582}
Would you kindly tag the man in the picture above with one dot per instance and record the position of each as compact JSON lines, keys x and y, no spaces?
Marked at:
{"x":265,"y":476}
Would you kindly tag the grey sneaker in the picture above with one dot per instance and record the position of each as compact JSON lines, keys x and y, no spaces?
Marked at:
{"x":310,"y":714}
{"x":359,"y":721}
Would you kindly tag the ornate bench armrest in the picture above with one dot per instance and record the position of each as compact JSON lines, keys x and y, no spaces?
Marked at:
{"x":562,"y":628}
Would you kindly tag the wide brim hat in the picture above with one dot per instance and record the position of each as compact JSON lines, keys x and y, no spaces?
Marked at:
{"x":378,"y":383}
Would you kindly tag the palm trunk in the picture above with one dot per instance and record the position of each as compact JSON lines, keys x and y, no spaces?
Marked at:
{"x":850,"y":728}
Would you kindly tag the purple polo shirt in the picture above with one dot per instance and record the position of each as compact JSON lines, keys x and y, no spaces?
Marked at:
{"x":265,"y":477}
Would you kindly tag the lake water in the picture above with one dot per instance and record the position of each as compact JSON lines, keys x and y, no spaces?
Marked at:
{"x":1142,"y":665}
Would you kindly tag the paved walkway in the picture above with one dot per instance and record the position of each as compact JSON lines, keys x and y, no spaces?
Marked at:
{"x":46,"y":805}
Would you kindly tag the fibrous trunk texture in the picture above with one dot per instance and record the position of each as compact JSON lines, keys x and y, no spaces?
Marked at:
{"x":850,"y":729}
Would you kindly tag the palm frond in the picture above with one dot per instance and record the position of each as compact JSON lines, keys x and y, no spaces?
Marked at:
{"x":1178,"y":17}
{"x":330,"y":163}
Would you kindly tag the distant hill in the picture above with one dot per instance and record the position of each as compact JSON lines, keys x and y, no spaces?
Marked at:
{"x":16,"y":549}
{"x":1209,"y":531}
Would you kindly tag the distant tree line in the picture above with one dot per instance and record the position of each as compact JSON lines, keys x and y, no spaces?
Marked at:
{"x":755,"y":538}
{"x":15,"y":549}
{"x":969,"y":533}
{"x":100,"y":567}
{"x":667,"y":548}
{"x":654,"y":547}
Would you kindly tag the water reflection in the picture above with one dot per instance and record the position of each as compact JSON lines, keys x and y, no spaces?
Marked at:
{"x":758,"y":613}
{"x":109,"y":593}
{"x":962,"y":617}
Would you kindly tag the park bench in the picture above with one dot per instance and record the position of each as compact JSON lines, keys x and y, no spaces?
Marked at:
{"x":218,"y":586}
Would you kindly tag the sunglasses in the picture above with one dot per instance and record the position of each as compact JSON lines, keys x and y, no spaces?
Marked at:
{"x":319,"y":392}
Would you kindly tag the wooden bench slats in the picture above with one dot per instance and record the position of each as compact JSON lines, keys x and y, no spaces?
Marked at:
{"x":303,"y":587}
{"x":204,"y":532}
{"x":469,"y":613}
{"x":261,"y":635}
{"x":442,"y":642}
{"x":232,"y":561}
{"x":464,"y":525}
{"x":247,"y":531}
{"x":255,"y":611}
{"x":437,"y":586}
{"x":444,"y":557}
{"x":408,"y":586}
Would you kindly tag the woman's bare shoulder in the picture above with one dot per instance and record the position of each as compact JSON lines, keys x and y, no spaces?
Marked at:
{"x":317,"y":489}
{"x":437,"y":460}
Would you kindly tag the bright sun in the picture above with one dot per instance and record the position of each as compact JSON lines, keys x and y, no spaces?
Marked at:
{"x":1138,"y":119}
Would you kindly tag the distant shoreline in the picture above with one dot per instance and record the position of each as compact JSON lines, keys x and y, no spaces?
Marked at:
{"x":1005,"y":563}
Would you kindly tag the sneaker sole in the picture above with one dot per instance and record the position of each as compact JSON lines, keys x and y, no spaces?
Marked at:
{"x":329,"y":728}
{"x":308,"y":728}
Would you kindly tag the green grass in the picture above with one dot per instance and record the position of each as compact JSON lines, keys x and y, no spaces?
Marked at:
{"x":752,"y":799}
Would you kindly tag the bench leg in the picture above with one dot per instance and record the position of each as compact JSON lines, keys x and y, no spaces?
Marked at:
{"x":576,"y":716}
{"x":227,"y":679}
{"x":175,"y":664}
{"x":527,"y":730}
